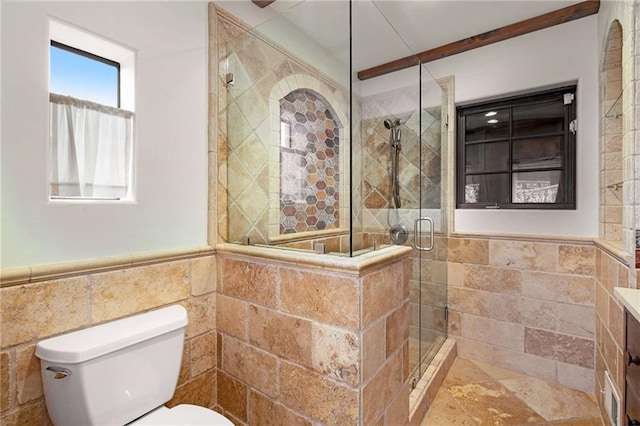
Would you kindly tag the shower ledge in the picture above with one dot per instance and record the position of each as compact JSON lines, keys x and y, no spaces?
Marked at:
{"x":355,"y":265}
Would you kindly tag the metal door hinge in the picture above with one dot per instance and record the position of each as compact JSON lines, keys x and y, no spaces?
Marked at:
{"x":573,"y":126}
{"x":568,"y":98}
{"x":446,"y":313}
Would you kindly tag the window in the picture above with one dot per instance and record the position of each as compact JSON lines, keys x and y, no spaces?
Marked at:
{"x":90,"y":134}
{"x":84,"y":75}
{"x":518,"y":152}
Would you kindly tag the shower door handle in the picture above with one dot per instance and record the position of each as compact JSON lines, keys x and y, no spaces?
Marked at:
{"x":416,"y":234}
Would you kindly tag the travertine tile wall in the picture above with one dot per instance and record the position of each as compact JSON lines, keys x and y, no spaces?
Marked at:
{"x":611,"y":176}
{"x":615,"y":267}
{"x":312,"y":346}
{"x":420,"y":162}
{"x":427,"y":299}
{"x":619,"y":74}
{"x":525,"y":305}
{"x":428,"y":295}
{"x":248,"y":135}
{"x":36,"y":311}
{"x":611,"y":271}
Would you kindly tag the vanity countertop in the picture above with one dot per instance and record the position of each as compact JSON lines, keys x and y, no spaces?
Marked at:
{"x":630,"y":298}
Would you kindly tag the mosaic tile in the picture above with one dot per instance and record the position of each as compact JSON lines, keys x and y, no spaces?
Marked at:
{"x":309,"y":170}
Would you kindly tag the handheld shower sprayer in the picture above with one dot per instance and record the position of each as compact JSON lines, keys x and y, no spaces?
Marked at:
{"x":394,"y":156}
{"x":390,"y":124}
{"x":398,"y":232}
{"x":394,"y":137}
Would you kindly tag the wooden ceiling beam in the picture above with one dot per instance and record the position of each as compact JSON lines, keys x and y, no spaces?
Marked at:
{"x":540,"y":22}
{"x":262,"y":3}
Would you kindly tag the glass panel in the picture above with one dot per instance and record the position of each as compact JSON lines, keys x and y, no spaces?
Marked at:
{"x":433,"y":271}
{"x":81,"y":76}
{"x":487,"y":188}
{"x":270,"y":176}
{"x":386,"y":135}
{"x":487,"y":157}
{"x":431,"y":152}
{"x":536,"y":187}
{"x":538,"y":119}
{"x":537,"y":153}
{"x":288,"y":128}
{"x":492,"y":124}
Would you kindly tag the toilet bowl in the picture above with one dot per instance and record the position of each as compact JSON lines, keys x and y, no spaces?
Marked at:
{"x":185,"y":415}
{"x":120,"y":373}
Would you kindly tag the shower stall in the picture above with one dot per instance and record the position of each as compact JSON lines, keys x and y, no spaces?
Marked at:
{"x":321,"y":161}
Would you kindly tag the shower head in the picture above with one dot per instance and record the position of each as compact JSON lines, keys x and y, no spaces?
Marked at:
{"x":389,"y":124}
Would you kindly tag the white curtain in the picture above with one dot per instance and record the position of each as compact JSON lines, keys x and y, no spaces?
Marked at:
{"x":90,"y":149}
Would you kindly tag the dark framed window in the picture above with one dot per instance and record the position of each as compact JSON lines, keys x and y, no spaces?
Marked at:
{"x":518,"y":152}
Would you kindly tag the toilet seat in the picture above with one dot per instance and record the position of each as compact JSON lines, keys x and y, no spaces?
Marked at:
{"x":182,"y":415}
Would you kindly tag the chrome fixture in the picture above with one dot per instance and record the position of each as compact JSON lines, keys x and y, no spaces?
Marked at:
{"x":615,"y":186}
{"x":395,"y":148}
{"x":417,"y":230}
{"x":398,"y":232}
{"x":61,"y":372}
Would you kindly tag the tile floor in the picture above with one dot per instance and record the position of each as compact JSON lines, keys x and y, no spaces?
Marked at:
{"x":475,"y":393}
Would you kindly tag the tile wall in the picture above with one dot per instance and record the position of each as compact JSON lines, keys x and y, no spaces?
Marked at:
{"x":428,"y":287}
{"x":611,"y":271}
{"x":525,"y":305}
{"x":309,"y":166}
{"x":35,"y":311}
{"x":611,"y":177}
{"x":311,"y":345}
{"x":420,"y":173}
{"x":249,"y":167}
{"x":616,"y":264}
{"x":427,"y":297}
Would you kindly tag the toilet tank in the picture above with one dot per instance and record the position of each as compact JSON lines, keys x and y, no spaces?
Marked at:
{"x":113,"y":373}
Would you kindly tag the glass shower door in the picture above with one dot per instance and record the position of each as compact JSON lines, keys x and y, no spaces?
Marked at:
{"x":429,"y":296}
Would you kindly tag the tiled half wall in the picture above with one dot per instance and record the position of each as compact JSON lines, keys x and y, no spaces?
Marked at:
{"x":317,"y":344}
{"x":36,"y":311}
{"x":312,"y":345}
{"x":526,"y":305}
{"x":611,"y":271}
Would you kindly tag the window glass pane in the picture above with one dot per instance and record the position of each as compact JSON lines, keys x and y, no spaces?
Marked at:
{"x":537,"y":153}
{"x":82,"y":77}
{"x":536,"y":187}
{"x":487,"y":157}
{"x":487,"y":188}
{"x":490,"y":124}
{"x":538,"y":119}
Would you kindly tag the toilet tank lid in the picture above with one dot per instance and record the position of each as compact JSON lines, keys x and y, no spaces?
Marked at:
{"x":92,"y":342}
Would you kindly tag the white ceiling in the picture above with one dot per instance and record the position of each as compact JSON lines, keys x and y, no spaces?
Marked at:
{"x":384,"y":30}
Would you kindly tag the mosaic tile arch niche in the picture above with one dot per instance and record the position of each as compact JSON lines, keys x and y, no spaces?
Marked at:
{"x":308,"y":164}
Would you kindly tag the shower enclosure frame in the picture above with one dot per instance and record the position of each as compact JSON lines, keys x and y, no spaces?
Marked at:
{"x":352,"y":182}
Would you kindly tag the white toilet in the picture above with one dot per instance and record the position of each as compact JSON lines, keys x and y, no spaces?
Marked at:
{"x":120,"y":373}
